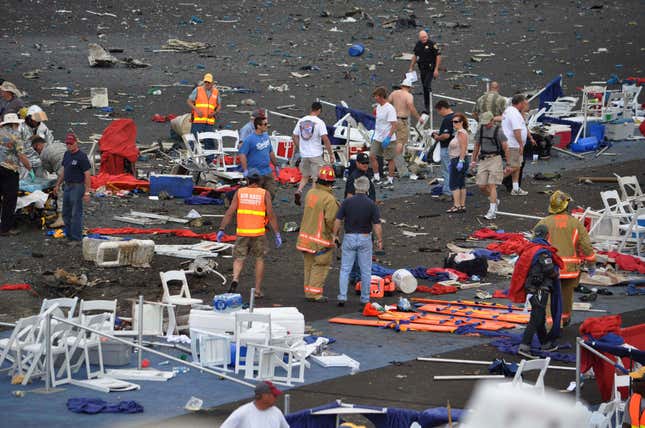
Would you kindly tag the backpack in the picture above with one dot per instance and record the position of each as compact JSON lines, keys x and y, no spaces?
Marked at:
{"x":495,"y":140}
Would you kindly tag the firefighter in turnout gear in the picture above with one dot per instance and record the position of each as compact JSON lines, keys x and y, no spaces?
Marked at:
{"x":316,"y":230}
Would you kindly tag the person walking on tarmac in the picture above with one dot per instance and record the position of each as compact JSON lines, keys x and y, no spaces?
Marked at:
{"x":536,"y":276}
{"x":204,"y":104}
{"x":315,"y":240}
{"x":252,"y":206}
{"x":572,"y":241}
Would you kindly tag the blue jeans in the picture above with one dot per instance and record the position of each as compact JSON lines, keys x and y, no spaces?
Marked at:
{"x":73,"y":210}
{"x":356,"y":246}
{"x":209,"y":144}
{"x":445,"y":171}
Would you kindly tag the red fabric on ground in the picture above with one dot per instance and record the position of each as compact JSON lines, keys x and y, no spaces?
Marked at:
{"x":460,"y":275}
{"x":437,"y":289}
{"x":501,"y":294}
{"x":118,"y":143}
{"x":604,"y":372}
{"x":513,"y":245}
{"x":486,"y":233}
{"x":118,"y":181}
{"x":10,"y":287}
{"x":627,"y":262}
{"x":184,"y":233}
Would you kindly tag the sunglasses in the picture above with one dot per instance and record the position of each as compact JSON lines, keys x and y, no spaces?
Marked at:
{"x":456,"y":121}
{"x":264,"y":123}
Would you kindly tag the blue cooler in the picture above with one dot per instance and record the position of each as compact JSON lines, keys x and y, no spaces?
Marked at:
{"x":597,"y":130}
{"x":584,"y":145}
{"x":179,"y":186}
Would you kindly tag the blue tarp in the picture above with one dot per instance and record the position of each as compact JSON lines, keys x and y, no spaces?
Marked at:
{"x":93,"y":406}
{"x":366,"y":119}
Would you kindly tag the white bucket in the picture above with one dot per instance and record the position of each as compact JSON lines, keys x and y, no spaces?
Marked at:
{"x":99,"y":97}
{"x":405,"y":281}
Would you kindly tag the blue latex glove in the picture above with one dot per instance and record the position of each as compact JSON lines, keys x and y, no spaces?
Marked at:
{"x":245,"y":173}
{"x":386,"y":142}
{"x":460,"y":165}
{"x":278,"y":240}
{"x":32,"y":175}
{"x":220,"y":235}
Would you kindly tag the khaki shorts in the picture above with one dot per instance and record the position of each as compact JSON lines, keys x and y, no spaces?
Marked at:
{"x":267,"y":182}
{"x":402,"y":132}
{"x":515,"y":159}
{"x":388,"y":154}
{"x":490,"y":171}
{"x":309,"y":167}
{"x":255,"y":246}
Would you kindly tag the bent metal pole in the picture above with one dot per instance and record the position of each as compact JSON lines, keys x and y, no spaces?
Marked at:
{"x":152,"y":351}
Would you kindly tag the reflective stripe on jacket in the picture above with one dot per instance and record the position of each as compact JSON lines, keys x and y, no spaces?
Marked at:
{"x":571,"y":239}
{"x":318,"y":220}
{"x":205,"y":105}
{"x":251,"y":211}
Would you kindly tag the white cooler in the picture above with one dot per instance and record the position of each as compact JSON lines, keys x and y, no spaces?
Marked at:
{"x":290,"y":319}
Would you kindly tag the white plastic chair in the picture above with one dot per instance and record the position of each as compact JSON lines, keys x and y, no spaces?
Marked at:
{"x":248,"y":334}
{"x":34,"y":356}
{"x":530,"y":365}
{"x":181,"y":299}
{"x":63,"y":303}
{"x":228,"y":141}
{"x":211,"y":349}
{"x":22,"y":335}
{"x":282,"y":365}
{"x":630,"y":190}
{"x":620,"y":381}
{"x":603,"y":416}
{"x":92,"y":307}
{"x":86,"y":341}
{"x":199,"y":147}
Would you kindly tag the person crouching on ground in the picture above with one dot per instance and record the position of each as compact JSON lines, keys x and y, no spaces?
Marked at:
{"x":252,"y":205}
{"x":458,"y":150}
{"x":315,"y":239}
{"x":261,"y":412}
{"x":360,"y":215}
{"x":542,"y":281}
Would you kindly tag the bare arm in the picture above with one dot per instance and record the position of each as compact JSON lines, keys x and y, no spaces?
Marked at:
{"x":378,"y":231}
{"x":413,"y":61}
{"x":413,"y":109}
{"x":476,"y":149}
{"x":191,"y":104}
{"x":24,"y":160}
{"x":518,"y":137}
{"x":243,"y":161}
{"x":463,"y":145}
{"x":393,"y":128}
{"x":274,"y":161}
{"x":232,"y":209}
{"x":88,"y":185}
{"x":327,"y":145}
{"x":273,"y":219}
{"x":436,"y":67}
{"x":337,"y":224}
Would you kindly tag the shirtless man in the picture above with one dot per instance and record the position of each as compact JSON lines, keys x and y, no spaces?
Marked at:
{"x":403,"y":102}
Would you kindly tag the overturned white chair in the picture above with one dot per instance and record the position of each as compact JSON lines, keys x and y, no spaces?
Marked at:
{"x":24,"y":333}
{"x":87,"y":341}
{"x":250,"y":329}
{"x":89,"y":308}
{"x":211,"y":349}
{"x":66,"y":307}
{"x":282,"y":364}
{"x":33,"y":356}
{"x":531,"y":365}
{"x":182,"y":299}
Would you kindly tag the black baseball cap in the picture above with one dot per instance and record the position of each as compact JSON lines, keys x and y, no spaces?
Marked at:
{"x":362,"y":158}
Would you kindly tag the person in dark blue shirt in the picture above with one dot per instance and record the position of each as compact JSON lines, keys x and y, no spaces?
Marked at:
{"x":76,"y":178}
{"x":362,"y":170}
{"x":444,"y":136}
{"x":256,"y":152}
{"x":360,"y":215}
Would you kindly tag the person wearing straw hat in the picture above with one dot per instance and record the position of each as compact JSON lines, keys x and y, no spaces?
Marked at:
{"x":10,"y":101}
{"x":34,"y":125}
{"x":570,"y":237}
{"x":11,"y":156}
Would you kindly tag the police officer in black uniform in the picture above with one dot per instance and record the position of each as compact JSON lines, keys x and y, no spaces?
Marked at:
{"x":427,"y":54}
{"x":539,"y":283}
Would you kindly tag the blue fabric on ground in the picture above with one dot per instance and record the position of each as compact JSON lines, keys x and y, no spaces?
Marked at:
{"x":499,"y":366}
{"x":312,"y":338}
{"x":490,"y":255}
{"x":367,"y":120}
{"x":203,"y":200}
{"x":419,"y":272}
{"x":551,"y":92}
{"x":93,"y":406}
{"x":633,"y":290}
{"x":381,"y":271}
{"x":437,"y":190}
{"x":511,"y":342}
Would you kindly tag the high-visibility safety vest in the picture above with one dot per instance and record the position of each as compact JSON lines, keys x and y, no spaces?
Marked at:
{"x":205,"y":105}
{"x":251,"y":211}
{"x":636,"y":417}
{"x":571,"y":239}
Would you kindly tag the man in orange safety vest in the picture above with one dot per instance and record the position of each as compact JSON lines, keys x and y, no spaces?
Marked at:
{"x":204,"y":104}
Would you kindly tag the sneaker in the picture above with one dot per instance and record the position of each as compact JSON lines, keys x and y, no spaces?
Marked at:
{"x":233,"y":287}
{"x":490,"y":215}
{"x":550,"y":347}
{"x":341,"y":303}
{"x":297,"y":197}
{"x":525,"y":352}
{"x":519,"y":192}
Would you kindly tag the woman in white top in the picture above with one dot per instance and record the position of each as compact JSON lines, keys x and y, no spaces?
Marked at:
{"x":457,"y":151}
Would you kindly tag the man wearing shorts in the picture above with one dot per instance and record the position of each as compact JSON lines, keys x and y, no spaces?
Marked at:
{"x":309,"y":135}
{"x":386,"y":124}
{"x":490,"y":143}
{"x":515,"y":129}
{"x":253,"y":209}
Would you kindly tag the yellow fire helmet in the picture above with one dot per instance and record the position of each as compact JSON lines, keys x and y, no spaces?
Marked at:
{"x":559,"y":202}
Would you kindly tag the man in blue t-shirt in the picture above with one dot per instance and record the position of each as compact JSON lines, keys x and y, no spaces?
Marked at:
{"x":76,"y":175}
{"x":256,"y":152}
{"x":360,"y":215}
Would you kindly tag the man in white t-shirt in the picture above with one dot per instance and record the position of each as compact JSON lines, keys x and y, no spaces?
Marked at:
{"x":309,"y":135}
{"x":259,"y":413}
{"x":516,"y":132}
{"x":386,"y":123}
